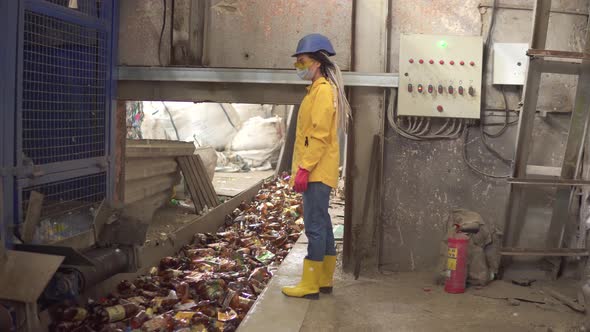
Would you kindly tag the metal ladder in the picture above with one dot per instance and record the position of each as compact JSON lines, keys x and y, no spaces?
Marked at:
{"x":530,"y":177}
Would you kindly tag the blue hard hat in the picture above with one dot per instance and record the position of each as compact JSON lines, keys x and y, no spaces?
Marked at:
{"x":314,"y":42}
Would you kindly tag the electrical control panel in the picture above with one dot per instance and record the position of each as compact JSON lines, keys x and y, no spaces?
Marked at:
{"x":510,"y":63}
{"x":440,"y":76}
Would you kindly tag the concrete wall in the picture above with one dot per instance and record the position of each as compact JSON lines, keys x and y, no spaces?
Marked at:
{"x":423,"y":181}
{"x":238,"y":33}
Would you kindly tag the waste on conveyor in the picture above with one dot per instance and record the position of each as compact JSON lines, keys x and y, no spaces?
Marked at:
{"x":211,"y":283}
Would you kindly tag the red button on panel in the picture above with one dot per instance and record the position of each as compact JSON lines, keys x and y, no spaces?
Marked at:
{"x":460,"y":90}
{"x":430,"y":88}
{"x":420,"y":88}
{"x":439,"y":108}
{"x":442,"y":62}
{"x":472,"y":63}
{"x":440,"y":89}
{"x":452,"y":62}
{"x":462,"y":63}
{"x":421,"y":61}
{"x":431,"y":61}
{"x":451,"y":90}
{"x":411,"y":60}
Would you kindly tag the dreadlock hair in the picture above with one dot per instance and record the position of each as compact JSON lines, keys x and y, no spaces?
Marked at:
{"x":330,"y":70}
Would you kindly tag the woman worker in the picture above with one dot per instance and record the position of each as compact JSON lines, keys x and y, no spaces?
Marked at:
{"x":323,"y":111}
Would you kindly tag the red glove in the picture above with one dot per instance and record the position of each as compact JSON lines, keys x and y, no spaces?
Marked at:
{"x":301,"y":179}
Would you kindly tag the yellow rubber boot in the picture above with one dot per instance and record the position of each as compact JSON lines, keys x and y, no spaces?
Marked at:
{"x":327,"y":277}
{"x":309,"y":286}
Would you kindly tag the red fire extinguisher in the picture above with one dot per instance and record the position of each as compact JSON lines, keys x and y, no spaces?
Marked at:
{"x":457,"y":262}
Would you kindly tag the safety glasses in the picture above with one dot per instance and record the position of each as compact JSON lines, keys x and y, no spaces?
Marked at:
{"x":303,"y":65}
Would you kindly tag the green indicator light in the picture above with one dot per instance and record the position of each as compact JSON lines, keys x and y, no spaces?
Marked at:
{"x":443,"y":44}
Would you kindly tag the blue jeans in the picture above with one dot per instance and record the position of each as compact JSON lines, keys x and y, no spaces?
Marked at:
{"x":318,"y":225}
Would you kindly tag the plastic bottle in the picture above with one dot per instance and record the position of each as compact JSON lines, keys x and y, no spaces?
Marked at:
{"x":118,"y":312}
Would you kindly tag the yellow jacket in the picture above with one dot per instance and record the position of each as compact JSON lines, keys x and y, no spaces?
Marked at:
{"x":316,"y":141}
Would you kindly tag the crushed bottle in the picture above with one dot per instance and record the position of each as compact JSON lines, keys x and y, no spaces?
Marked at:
{"x":211,"y":284}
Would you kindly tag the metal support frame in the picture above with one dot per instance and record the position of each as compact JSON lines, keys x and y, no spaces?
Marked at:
{"x":516,"y":210}
{"x":575,"y":142}
{"x":112,"y":102}
{"x":250,"y":76}
{"x":8,"y":61}
{"x":550,"y":183}
{"x":567,"y":180}
{"x":18,"y":173}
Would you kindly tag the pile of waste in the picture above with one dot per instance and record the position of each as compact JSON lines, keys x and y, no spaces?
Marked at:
{"x":211,"y":283}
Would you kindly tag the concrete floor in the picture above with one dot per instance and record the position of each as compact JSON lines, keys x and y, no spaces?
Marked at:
{"x":409,"y":302}
{"x":402,"y":302}
{"x":406,"y":302}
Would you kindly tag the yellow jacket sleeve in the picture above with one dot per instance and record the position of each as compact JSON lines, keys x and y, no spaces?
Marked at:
{"x":322,"y":120}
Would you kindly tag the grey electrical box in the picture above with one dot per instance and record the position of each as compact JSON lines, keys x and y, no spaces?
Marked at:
{"x":440,"y":76}
{"x":510,"y":63}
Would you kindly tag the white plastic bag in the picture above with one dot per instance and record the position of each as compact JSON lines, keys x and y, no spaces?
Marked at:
{"x":258,"y":134}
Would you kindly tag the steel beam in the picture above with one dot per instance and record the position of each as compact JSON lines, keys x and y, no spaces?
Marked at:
{"x":541,"y":13}
{"x":535,"y":53}
{"x":558,"y":9}
{"x":572,"y":158}
{"x":250,"y":76}
{"x":536,"y":170}
{"x":550,"y":183}
{"x":516,"y":209}
{"x":559,"y":67}
{"x":9,"y":30}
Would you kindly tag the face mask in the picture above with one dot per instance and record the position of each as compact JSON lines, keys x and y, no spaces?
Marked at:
{"x":303,"y":70}
{"x":304,"y":74}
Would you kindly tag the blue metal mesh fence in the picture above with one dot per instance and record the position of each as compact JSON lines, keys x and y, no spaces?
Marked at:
{"x":67,"y":206}
{"x":64,"y":90}
{"x":88,"y":7}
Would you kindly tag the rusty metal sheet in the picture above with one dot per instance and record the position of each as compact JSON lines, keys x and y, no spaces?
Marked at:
{"x":264,"y":34}
{"x":27,"y":274}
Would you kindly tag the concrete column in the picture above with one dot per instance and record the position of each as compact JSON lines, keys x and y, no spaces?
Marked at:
{"x":370,"y":35}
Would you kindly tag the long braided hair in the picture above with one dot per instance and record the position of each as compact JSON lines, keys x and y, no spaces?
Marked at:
{"x":331,"y":71}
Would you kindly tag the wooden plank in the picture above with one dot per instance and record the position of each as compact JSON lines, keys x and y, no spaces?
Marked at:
{"x":189,"y":177}
{"x":208,"y":183}
{"x":557,"y":252}
{"x":200,"y":181}
{"x":33,"y":216}
{"x":579,"y":307}
{"x":193,"y":185}
{"x":201,"y":172}
{"x":197,"y":183}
